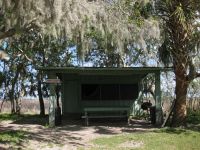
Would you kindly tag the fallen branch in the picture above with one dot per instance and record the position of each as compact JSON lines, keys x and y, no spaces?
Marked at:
{"x":169,"y":114}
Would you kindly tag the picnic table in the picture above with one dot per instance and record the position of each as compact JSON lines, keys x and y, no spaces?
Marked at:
{"x":100,"y":112}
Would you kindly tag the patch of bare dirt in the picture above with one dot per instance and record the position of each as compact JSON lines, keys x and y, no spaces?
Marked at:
{"x":72,"y":134}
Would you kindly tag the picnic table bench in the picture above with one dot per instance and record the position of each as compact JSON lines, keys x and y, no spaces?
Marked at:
{"x":100,"y":112}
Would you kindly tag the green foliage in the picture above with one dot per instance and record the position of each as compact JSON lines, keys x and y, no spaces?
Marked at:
{"x":29,"y":51}
{"x":178,"y":22}
{"x":193,"y":117}
{"x":147,"y":10}
{"x":139,"y":12}
{"x":2,"y":78}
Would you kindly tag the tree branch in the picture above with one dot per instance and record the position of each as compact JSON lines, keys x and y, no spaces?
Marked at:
{"x":29,"y":59}
{"x":7,"y":34}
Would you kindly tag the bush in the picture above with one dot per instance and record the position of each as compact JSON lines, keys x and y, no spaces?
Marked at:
{"x":193,"y":117}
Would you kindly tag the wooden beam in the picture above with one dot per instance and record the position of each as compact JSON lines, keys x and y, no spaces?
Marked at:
{"x":53,"y":81}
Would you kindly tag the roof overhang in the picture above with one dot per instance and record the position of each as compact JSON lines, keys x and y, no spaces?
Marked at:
{"x":104,"y":71}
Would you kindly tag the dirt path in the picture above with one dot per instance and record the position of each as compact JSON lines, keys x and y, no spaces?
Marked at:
{"x":71,"y":135}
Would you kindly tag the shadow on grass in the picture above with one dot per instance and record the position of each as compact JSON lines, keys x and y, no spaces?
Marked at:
{"x":98,"y":124}
{"x":32,"y":119}
{"x":25,"y":119}
{"x":186,"y":131}
{"x":12,"y":135}
{"x":13,"y":138}
{"x":193,"y":127}
{"x":171,"y":131}
{"x":71,"y":131}
{"x":101,"y":126}
{"x":193,"y":120}
{"x":5,"y":117}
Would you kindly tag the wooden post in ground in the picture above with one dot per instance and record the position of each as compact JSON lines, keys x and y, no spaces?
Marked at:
{"x":52,"y":81}
{"x":159,"y":114}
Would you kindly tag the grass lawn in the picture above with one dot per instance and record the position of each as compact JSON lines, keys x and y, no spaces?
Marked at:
{"x":163,"y":139}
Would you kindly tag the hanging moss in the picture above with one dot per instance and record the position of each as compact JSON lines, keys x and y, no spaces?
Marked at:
{"x":76,"y":18}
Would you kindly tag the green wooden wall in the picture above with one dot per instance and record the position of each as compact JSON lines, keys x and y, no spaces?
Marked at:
{"x":71,"y":91}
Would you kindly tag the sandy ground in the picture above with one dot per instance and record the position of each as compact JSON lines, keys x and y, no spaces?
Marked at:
{"x":71,"y":135}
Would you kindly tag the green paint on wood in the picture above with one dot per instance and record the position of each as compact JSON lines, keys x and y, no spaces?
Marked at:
{"x":52,"y":105}
{"x":70,"y":95}
{"x":72,"y":92}
{"x":73,"y":78}
{"x":158,"y":99}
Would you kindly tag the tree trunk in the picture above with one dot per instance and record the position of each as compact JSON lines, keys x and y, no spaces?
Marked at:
{"x":12,"y":106}
{"x":180,"y":110}
{"x":12,"y":92}
{"x":41,"y":100}
{"x":18,"y":106}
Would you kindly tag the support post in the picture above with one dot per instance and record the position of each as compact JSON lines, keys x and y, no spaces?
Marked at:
{"x":159,"y":114}
{"x":52,"y":81}
{"x":52,"y":106}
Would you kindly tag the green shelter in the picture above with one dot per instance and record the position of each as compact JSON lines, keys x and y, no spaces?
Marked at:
{"x":85,"y":87}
